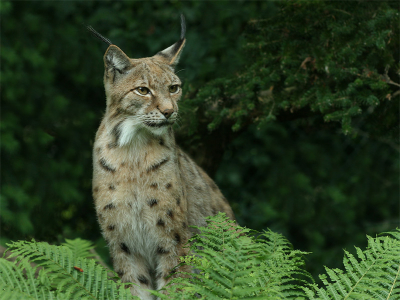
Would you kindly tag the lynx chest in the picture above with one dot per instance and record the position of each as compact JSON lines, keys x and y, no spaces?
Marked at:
{"x":139,"y":198}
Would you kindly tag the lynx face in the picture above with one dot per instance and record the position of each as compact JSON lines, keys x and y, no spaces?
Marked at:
{"x":142,"y":94}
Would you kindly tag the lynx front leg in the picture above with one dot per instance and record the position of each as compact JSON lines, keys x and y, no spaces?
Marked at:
{"x":168,"y":267}
{"x":132,"y":268}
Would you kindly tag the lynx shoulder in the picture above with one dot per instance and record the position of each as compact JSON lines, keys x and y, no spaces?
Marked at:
{"x":146,"y":190}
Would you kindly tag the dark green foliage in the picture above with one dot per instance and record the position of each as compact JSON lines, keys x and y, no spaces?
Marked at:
{"x":336,"y":188}
{"x":308,"y":65}
{"x":335,"y":58}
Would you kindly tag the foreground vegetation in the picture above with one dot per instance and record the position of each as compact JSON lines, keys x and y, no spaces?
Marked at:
{"x":233,"y":262}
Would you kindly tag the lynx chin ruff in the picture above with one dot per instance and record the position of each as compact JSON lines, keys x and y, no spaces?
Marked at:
{"x":147,"y":191}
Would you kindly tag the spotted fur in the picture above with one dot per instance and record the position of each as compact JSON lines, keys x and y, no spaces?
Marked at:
{"x":147,"y":192}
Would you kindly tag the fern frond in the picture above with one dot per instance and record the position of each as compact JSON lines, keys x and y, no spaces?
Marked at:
{"x":373,"y":274}
{"x":79,"y":247}
{"x":18,"y":281}
{"x":233,"y":265}
{"x":65,"y":273}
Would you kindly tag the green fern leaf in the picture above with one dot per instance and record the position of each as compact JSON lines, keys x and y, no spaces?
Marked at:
{"x":79,"y":248}
{"x":233,"y":265}
{"x":18,"y":281}
{"x":65,"y":275}
{"x":373,"y":274}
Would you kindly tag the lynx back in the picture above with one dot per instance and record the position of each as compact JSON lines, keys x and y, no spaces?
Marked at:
{"x":146,"y":190}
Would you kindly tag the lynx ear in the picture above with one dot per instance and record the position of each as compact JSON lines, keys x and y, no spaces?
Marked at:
{"x":171,"y":54}
{"x":116,"y":62}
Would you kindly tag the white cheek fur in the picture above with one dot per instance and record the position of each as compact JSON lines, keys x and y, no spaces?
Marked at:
{"x":135,"y":134}
{"x":129,"y":131}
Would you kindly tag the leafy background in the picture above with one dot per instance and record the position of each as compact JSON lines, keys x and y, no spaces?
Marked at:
{"x":292,"y":107}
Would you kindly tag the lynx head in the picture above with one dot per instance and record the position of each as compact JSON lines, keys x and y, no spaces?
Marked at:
{"x":142,"y":94}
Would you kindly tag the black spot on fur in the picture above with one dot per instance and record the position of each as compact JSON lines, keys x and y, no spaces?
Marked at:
{"x":170,"y":213}
{"x":168,"y":185}
{"x":120,"y":273}
{"x":153,"y":185}
{"x":130,"y":204}
{"x":152,"y":274}
{"x":111,"y":227}
{"x":111,"y":187}
{"x":199,"y":188}
{"x":157,"y":165}
{"x":178,"y":201}
{"x":103,"y":163}
{"x":177,"y":238}
{"x":214,"y":211}
{"x":125,"y":248}
{"x":184,"y":225}
{"x":173,"y":271}
{"x":116,"y":132}
{"x":143,"y":279}
{"x":109,"y":206}
{"x":95,"y":190}
{"x":159,"y":275}
{"x":118,"y":112}
{"x":161,"y":250}
{"x":152,"y":202}
{"x":112,"y":145}
{"x":214,"y":187}
{"x":161,"y":142}
{"x":160,"y":222}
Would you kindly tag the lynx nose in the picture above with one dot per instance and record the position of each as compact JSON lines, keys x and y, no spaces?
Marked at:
{"x":168,"y":112}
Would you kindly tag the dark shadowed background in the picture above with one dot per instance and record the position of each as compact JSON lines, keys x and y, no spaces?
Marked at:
{"x":293,"y":108}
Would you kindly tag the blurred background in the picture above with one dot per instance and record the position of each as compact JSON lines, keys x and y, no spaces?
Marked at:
{"x":292,"y":107}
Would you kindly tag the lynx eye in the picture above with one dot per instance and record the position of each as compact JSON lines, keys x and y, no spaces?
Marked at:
{"x":142,"y":90}
{"x":174,"y":89}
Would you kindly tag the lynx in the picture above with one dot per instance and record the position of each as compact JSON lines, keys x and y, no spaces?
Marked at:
{"x":146,"y":190}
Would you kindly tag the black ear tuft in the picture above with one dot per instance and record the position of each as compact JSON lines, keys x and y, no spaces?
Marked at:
{"x":183,"y":27}
{"x":171,"y":54}
{"x":98,"y":35}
